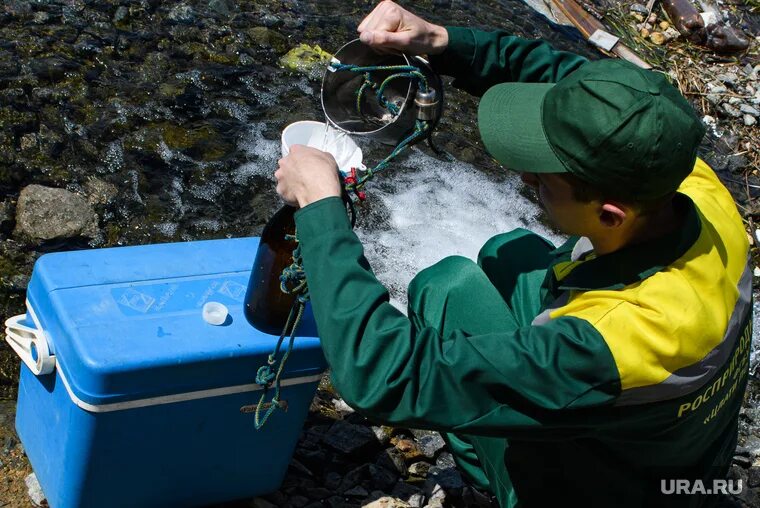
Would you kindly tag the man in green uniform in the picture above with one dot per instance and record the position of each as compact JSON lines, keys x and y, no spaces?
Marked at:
{"x":606,"y":372}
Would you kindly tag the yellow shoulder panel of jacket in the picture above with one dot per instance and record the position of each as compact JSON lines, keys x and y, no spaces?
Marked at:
{"x":675,"y":317}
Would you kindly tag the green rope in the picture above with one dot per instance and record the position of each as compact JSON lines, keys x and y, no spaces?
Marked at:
{"x":293,"y":277}
{"x":292,"y":282}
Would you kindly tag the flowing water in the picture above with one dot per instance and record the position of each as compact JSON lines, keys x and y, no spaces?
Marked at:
{"x":167,"y":115}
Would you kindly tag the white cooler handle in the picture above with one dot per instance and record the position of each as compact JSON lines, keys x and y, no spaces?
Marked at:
{"x":30,"y":343}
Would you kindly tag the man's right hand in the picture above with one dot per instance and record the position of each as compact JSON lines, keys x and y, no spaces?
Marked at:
{"x":391,"y":27}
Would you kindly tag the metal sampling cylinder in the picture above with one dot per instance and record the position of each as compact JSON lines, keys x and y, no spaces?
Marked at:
{"x":427,"y":104}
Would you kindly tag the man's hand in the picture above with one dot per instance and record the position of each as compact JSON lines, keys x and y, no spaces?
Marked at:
{"x":390,"y":26}
{"x":307,"y":175}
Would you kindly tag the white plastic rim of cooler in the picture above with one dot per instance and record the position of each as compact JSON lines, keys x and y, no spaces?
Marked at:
{"x":316,"y":135}
{"x":150,"y":401}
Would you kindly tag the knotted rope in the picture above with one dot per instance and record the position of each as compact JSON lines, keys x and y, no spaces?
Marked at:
{"x":293,"y":278}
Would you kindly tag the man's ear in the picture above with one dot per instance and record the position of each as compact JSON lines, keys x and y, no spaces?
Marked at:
{"x":613,"y":215}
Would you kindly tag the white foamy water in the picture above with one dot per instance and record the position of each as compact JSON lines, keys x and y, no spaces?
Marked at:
{"x":438,"y":209}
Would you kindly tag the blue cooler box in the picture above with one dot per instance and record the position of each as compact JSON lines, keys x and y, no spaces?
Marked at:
{"x":128,"y":397}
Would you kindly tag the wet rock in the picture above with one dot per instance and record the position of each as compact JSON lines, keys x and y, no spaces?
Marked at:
{"x":349,"y":438}
{"x":53,"y":68}
{"x":99,"y":192}
{"x":45,"y":213}
{"x":306,"y":59}
{"x":268,"y":38}
{"x":182,"y":14}
{"x":222,"y":7}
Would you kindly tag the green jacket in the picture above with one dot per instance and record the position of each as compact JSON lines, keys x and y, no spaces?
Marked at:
{"x":633,"y":374}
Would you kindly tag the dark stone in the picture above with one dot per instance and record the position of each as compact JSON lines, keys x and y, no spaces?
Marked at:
{"x":339,"y":502}
{"x":354,"y":477}
{"x":753,"y":478}
{"x":357,"y":491}
{"x":382,"y":478}
{"x":318,"y":492}
{"x":449,"y":479}
{"x":349,"y":438}
{"x":332,"y":480}
{"x":53,"y":68}
{"x":742,"y":461}
{"x":222,"y":7}
{"x":298,"y":501}
{"x":408,"y":493}
{"x":393,"y":460}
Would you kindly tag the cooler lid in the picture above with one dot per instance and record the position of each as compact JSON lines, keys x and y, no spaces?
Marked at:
{"x":126,"y":323}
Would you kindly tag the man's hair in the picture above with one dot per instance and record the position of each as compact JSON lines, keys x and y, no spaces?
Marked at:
{"x":586,"y":192}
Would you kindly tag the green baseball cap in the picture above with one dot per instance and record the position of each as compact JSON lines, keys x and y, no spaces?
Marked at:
{"x":620,"y":128}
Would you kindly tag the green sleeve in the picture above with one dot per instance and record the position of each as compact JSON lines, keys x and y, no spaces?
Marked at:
{"x":382,"y":366}
{"x":478,"y":60}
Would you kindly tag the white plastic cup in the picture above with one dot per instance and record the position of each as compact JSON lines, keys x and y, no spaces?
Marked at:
{"x":310,"y":133}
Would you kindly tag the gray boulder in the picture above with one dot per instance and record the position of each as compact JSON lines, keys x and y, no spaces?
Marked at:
{"x":46,"y":213}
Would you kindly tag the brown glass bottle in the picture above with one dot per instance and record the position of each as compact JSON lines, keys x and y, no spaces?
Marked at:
{"x":266,"y":306}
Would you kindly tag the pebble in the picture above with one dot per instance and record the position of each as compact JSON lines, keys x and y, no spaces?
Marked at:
{"x":421,"y":468}
{"x":749,"y":110}
{"x":657,"y":38}
{"x":383,"y":434}
{"x":342,"y":407}
{"x":652,"y":19}
{"x":387,"y":502}
{"x":749,"y":120}
{"x":731,"y":111}
{"x":639,"y":18}
{"x":641,"y":9}
{"x":664,"y":25}
{"x":357,"y":491}
{"x":670,"y":33}
{"x":349,"y":438}
{"x":644,"y":33}
{"x":729,"y":78}
{"x":431,"y":445}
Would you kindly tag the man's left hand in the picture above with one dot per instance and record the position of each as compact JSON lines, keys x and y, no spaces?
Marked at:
{"x":307,"y":175}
